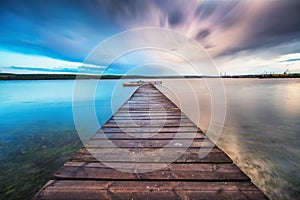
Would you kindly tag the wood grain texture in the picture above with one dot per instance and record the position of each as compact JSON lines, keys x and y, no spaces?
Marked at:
{"x":151,"y":126}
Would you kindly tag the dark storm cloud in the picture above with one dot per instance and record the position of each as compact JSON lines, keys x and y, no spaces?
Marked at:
{"x":69,"y":29}
{"x":175,"y":18}
{"x":202,"y":34}
{"x":283,"y":18}
{"x":275,"y":22}
{"x":263,"y":23}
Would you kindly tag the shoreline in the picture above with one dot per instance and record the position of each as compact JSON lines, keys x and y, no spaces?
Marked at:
{"x":9,"y":76}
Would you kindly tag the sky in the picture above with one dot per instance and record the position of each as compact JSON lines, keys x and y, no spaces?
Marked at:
{"x":241,"y":37}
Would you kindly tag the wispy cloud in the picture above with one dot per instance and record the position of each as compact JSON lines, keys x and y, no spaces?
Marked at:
{"x":288,"y":57}
{"x":22,"y":63}
{"x":69,"y":30}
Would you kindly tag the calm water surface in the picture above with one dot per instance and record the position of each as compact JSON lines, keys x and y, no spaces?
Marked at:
{"x":261,"y":132}
{"x":37,"y":131}
{"x":262,"y":129}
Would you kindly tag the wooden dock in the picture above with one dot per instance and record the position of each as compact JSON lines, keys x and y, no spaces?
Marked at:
{"x":189,"y":177}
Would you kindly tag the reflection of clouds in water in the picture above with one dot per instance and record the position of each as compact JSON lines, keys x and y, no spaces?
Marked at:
{"x":261,"y":132}
{"x":291,"y":95}
{"x":266,"y":129}
{"x":231,"y":143}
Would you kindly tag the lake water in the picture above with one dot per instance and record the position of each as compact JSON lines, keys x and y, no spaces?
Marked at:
{"x":261,"y":132}
{"x":37,"y":131}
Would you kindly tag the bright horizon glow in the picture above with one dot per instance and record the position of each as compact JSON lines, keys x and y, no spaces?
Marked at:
{"x":18,"y":63}
{"x":12,"y":62}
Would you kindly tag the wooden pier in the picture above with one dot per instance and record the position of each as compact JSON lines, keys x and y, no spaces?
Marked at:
{"x":136,"y":127}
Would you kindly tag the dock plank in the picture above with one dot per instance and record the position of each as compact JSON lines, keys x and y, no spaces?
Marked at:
{"x":145,"y":143}
{"x":191,"y":155}
{"x":176,"y":129}
{"x":200,"y":172}
{"x":149,"y":136}
{"x":60,"y":189}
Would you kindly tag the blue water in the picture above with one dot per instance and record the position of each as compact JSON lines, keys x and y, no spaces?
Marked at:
{"x":37,"y":131}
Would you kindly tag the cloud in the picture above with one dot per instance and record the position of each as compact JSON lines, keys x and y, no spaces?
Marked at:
{"x":288,"y":58}
{"x":252,"y":25}
{"x":59,"y":29}
{"x":222,"y":27}
{"x":80,"y":69}
{"x":17,"y":62}
{"x":69,"y":30}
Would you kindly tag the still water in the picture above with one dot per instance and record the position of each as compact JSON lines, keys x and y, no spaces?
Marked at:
{"x":37,"y":131}
{"x":261,"y":131}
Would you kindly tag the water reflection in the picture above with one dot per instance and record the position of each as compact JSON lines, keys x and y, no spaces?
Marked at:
{"x":261,"y":132}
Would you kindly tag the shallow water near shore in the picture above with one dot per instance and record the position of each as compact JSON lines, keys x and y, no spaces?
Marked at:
{"x":261,"y":132}
{"x":37,"y":132}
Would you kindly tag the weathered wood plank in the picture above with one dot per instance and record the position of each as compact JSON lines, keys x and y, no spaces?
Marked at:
{"x":150,"y":130}
{"x":151,"y":108}
{"x":149,"y":136}
{"x":148,"y":97}
{"x":94,"y":143}
{"x":191,"y":155}
{"x":157,"y":101}
{"x":145,"y":98}
{"x":152,"y":117}
{"x":77,"y":190}
{"x":175,"y":172}
{"x":148,"y":103}
{"x":139,"y":104}
{"x":149,"y":114}
{"x":150,"y":122}
{"x":147,"y":125}
{"x":143,"y":92}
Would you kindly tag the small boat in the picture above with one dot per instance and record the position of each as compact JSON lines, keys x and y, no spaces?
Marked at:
{"x":156,"y":82}
{"x":130,"y":84}
{"x":139,"y":83}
